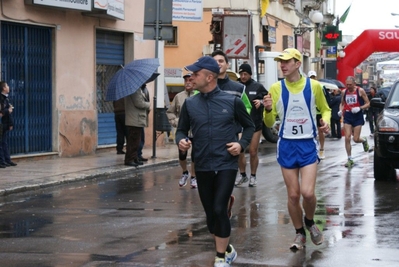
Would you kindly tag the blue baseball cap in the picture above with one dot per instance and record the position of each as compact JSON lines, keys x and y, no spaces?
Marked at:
{"x":206,"y":62}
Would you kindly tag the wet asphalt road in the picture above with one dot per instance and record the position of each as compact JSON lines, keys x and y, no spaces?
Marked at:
{"x":145,"y":219}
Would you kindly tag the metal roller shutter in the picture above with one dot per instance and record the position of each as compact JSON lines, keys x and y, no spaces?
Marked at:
{"x":109,"y":59}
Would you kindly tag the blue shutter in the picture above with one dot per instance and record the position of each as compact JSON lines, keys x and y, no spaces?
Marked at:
{"x":26,"y":63}
{"x":109,"y":54}
{"x":110,"y":48}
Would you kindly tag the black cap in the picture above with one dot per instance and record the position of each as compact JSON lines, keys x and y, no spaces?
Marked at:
{"x":245,"y":67}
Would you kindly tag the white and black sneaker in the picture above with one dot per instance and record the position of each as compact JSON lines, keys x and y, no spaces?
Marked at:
{"x":252,"y":181}
{"x":183,"y":179}
{"x":241,"y":180}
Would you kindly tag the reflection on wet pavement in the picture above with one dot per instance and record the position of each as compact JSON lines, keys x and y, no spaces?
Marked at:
{"x":145,"y":219}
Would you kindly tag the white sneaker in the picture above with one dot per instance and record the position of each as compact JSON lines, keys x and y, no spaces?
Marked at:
{"x":252,"y":181}
{"x":321,"y":154}
{"x":221,"y":262}
{"x":183,"y":179}
{"x":241,"y":180}
{"x":299,"y":242}
{"x":232,"y":256}
{"x":193,"y":183}
{"x":315,"y":234}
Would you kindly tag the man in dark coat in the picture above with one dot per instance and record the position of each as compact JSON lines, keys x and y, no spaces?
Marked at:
{"x":212,"y":115}
{"x":7,"y":124}
{"x":255,"y":92}
{"x":335,"y":118}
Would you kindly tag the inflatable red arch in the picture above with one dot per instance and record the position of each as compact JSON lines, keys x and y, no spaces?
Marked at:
{"x":368,"y":42}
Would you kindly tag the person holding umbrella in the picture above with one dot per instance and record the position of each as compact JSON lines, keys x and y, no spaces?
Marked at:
{"x":137,"y":108}
{"x":129,"y":83}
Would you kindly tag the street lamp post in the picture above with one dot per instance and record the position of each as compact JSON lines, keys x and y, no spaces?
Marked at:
{"x":317,"y":18}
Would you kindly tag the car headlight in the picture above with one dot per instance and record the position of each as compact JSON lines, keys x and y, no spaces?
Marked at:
{"x":388,"y":125}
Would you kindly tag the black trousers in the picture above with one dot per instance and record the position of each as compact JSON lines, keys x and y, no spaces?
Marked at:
{"x":335,"y":128}
{"x":121,"y":131}
{"x":132,"y":143}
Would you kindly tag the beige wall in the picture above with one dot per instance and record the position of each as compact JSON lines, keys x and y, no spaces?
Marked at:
{"x":74,"y":84}
{"x":192,"y":36}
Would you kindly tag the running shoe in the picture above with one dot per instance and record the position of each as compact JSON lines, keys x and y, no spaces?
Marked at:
{"x":230,"y":206}
{"x":321,"y":154}
{"x":193,"y":182}
{"x":241,"y":180}
{"x":220,"y":262}
{"x":365,"y":144}
{"x":315,"y":234}
{"x":252,"y":181}
{"x":349,"y":163}
{"x":230,"y":257}
{"x":183,"y":179}
{"x":299,"y":242}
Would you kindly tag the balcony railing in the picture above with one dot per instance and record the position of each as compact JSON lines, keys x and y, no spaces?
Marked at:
{"x":289,"y":4}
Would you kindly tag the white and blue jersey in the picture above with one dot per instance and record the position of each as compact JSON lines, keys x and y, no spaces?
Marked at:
{"x":297,"y":145}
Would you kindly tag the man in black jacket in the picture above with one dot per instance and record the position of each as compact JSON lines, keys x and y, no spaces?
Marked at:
{"x":212,"y":115}
{"x":7,"y":123}
{"x":255,"y":92}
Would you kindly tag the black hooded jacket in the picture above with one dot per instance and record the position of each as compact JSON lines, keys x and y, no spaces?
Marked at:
{"x":6,"y":119}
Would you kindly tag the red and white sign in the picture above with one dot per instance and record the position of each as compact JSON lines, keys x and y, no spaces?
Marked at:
{"x":236,"y":45}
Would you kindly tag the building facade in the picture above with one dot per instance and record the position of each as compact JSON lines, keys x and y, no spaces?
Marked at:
{"x":58,"y":57}
{"x":284,"y":24}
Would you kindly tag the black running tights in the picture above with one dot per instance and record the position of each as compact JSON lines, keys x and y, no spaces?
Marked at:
{"x":214,"y":189}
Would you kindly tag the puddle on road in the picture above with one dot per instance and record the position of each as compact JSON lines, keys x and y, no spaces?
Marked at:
{"x":22,"y":227}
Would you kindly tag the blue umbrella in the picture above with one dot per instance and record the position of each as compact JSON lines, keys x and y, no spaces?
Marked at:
{"x":130,"y":78}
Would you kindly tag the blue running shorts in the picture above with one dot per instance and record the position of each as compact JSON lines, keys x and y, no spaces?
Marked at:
{"x":353,"y":119}
{"x":296,"y":153}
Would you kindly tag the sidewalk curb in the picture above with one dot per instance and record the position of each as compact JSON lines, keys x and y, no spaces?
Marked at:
{"x":90,"y":174}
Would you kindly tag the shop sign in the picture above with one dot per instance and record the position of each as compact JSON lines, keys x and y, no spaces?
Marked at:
{"x":331,"y":52}
{"x":187,"y":10}
{"x":173,"y":72}
{"x":272,"y":35}
{"x":114,"y":8}
{"x":84,"y":5}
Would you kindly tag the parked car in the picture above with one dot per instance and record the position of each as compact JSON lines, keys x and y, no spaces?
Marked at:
{"x":271,"y":134}
{"x":383,"y":92}
{"x":386,"y":135}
